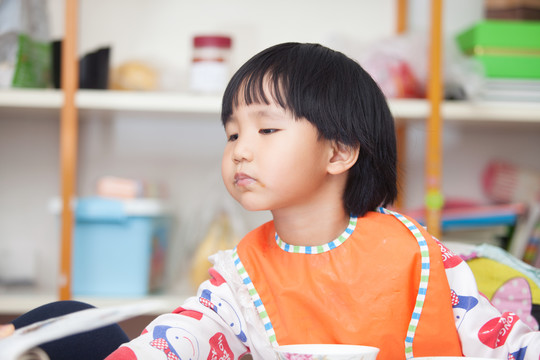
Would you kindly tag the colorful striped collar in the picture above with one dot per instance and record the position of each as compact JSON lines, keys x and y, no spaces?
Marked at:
{"x":320,"y":248}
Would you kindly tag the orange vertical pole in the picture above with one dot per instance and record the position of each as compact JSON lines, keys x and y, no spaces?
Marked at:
{"x":401,"y":126}
{"x":402,"y":16}
{"x":434,"y":198}
{"x":68,"y":144}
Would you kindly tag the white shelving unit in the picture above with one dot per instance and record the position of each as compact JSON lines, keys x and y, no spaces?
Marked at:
{"x":88,"y":102}
{"x":186,"y":103}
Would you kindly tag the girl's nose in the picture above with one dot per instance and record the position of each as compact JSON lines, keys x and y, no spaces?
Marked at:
{"x":242,"y":151}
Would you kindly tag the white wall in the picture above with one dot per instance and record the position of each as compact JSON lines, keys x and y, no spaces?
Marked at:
{"x":29,"y":173}
{"x":160,"y":32}
{"x":185,"y":154}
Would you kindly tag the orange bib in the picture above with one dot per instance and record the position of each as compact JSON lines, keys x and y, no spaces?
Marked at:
{"x":360,"y":291}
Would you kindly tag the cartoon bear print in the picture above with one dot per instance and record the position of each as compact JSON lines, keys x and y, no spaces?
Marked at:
{"x":174,"y":341}
{"x":224,"y":310}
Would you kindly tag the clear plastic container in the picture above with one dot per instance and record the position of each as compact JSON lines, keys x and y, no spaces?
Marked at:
{"x":210,"y":69}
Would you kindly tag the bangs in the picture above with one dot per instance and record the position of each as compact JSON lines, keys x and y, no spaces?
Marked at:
{"x":258,"y":87}
{"x":264,"y":79}
{"x":262,"y":88}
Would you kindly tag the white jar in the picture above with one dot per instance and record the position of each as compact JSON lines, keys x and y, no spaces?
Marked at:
{"x":210,"y":63}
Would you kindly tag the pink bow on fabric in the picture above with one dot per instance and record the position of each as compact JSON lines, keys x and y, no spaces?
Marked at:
{"x":163,"y":345}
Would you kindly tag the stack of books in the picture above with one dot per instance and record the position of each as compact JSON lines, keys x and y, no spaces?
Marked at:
{"x":478,"y":224}
{"x":515,"y":227}
{"x":516,"y":90}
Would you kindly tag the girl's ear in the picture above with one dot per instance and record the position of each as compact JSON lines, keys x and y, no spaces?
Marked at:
{"x":343,"y":157}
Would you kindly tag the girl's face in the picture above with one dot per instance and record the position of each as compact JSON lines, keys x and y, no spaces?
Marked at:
{"x":273,"y":161}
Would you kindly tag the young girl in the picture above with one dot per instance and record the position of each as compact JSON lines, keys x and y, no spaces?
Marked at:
{"x":311,"y":138}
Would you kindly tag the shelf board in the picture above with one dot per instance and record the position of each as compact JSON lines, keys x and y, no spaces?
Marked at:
{"x":492,"y":111}
{"x":31,"y":98}
{"x":409,"y":108}
{"x":181,"y":102}
{"x":485,"y":111}
{"x":113,"y":100}
{"x":148,"y":101}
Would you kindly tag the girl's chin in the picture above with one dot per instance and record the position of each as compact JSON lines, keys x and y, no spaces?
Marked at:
{"x":249,"y":200}
{"x":250,"y":205}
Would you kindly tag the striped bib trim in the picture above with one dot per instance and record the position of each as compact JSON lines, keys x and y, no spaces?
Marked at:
{"x":255,"y":298}
{"x":424,"y":279}
{"x":320,"y":248}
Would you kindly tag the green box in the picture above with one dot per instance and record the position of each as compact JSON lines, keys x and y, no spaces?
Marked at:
{"x":506,"y":48}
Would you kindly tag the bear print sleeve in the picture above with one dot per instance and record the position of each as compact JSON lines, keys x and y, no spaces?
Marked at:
{"x":483,"y":330}
{"x":207,"y":326}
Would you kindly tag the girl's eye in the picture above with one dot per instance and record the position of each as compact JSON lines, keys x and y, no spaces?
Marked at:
{"x":233,"y":137}
{"x":267,"y":131}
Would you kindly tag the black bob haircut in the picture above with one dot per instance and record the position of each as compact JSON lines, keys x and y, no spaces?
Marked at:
{"x":334,"y":93}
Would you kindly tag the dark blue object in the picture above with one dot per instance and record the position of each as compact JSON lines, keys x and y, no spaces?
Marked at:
{"x":91,"y":345}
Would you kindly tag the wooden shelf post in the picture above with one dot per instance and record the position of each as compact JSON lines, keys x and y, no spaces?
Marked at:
{"x":401,"y":126}
{"x":68,"y":144}
{"x":434,"y":198}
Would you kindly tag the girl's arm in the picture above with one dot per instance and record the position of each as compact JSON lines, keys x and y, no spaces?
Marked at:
{"x":208,"y":326}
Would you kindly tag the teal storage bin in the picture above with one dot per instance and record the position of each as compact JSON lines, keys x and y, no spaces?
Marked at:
{"x":119,"y":247}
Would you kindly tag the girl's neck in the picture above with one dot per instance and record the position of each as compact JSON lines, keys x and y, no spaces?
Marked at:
{"x":310,"y":228}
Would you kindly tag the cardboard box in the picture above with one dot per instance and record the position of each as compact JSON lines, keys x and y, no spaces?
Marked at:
{"x":512,"y":9}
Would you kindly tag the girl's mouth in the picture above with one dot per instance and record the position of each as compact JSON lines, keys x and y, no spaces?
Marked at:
{"x":241,"y":179}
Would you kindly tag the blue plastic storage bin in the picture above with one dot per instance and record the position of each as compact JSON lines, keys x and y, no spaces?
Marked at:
{"x":119,"y":247}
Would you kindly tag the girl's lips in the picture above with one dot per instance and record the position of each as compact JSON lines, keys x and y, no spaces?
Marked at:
{"x":242,"y":179}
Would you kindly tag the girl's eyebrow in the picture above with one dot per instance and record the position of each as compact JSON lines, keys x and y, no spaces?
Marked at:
{"x":269,"y":113}
{"x":261,"y":113}
{"x":230,"y":119}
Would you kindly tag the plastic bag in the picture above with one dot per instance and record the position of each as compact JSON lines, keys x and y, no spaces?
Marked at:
{"x":400,"y":66}
{"x":396,"y":66}
{"x":25,"y":49}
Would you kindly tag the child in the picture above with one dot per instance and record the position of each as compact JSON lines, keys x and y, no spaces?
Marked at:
{"x":311,"y":138}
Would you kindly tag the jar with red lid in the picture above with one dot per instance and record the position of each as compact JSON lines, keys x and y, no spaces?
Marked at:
{"x":210,"y":63}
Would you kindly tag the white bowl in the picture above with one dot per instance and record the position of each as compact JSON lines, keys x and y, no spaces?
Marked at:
{"x":326,"y":352}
